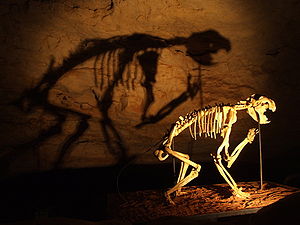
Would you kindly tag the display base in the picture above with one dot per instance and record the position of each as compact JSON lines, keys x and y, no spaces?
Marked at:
{"x":208,"y":201}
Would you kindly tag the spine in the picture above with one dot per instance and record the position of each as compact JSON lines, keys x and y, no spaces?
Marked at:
{"x":207,"y":122}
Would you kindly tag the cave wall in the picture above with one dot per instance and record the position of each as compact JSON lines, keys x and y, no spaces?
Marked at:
{"x":93,"y":83}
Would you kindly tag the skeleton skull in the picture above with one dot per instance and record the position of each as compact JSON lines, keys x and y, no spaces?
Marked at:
{"x":258,"y":105}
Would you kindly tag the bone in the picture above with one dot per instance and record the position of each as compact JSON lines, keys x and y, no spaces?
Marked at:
{"x":199,"y":122}
{"x":224,"y":115}
{"x":217,"y":120}
{"x":195,"y":130}
{"x":190,"y":129}
{"x":211,"y":122}
{"x":204,"y":122}
{"x":208,"y":123}
{"x":220,"y":119}
{"x":214,"y":121}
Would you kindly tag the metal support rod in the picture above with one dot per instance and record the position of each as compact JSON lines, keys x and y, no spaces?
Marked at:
{"x":174,"y":169}
{"x":260,"y":158}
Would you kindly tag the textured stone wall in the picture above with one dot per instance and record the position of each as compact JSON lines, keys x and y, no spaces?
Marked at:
{"x":91,"y":83}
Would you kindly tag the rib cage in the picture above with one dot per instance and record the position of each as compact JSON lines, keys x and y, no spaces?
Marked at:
{"x":207,"y":122}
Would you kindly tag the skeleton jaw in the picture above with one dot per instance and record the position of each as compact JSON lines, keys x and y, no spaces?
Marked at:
{"x":262,"y":118}
{"x":258,"y":108}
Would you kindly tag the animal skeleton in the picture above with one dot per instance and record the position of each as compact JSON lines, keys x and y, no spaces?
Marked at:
{"x":209,"y":122}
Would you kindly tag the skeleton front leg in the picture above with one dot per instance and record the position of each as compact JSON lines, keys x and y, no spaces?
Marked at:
{"x":228,"y":178}
{"x":223,"y":149}
{"x":249,"y":139}
{"x":218,"y":162}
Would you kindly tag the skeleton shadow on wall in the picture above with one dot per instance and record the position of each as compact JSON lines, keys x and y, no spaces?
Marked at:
{"x":113,"y":58}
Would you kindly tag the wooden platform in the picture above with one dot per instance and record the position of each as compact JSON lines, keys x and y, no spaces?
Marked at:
{"x":209,"y":201}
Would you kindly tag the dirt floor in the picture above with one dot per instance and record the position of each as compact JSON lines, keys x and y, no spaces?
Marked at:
{"x":148,"y":205}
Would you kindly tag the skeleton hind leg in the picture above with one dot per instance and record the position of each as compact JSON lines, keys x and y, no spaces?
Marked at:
{"x":183,"y":169}
{"x":183,"y":180}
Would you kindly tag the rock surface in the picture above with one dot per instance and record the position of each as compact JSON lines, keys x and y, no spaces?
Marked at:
{"x":147,"y":62}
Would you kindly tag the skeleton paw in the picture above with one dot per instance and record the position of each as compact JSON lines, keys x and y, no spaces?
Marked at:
{"x":179,"y":193}
{"x":239,"y":193}
{"x":251,"y":134}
